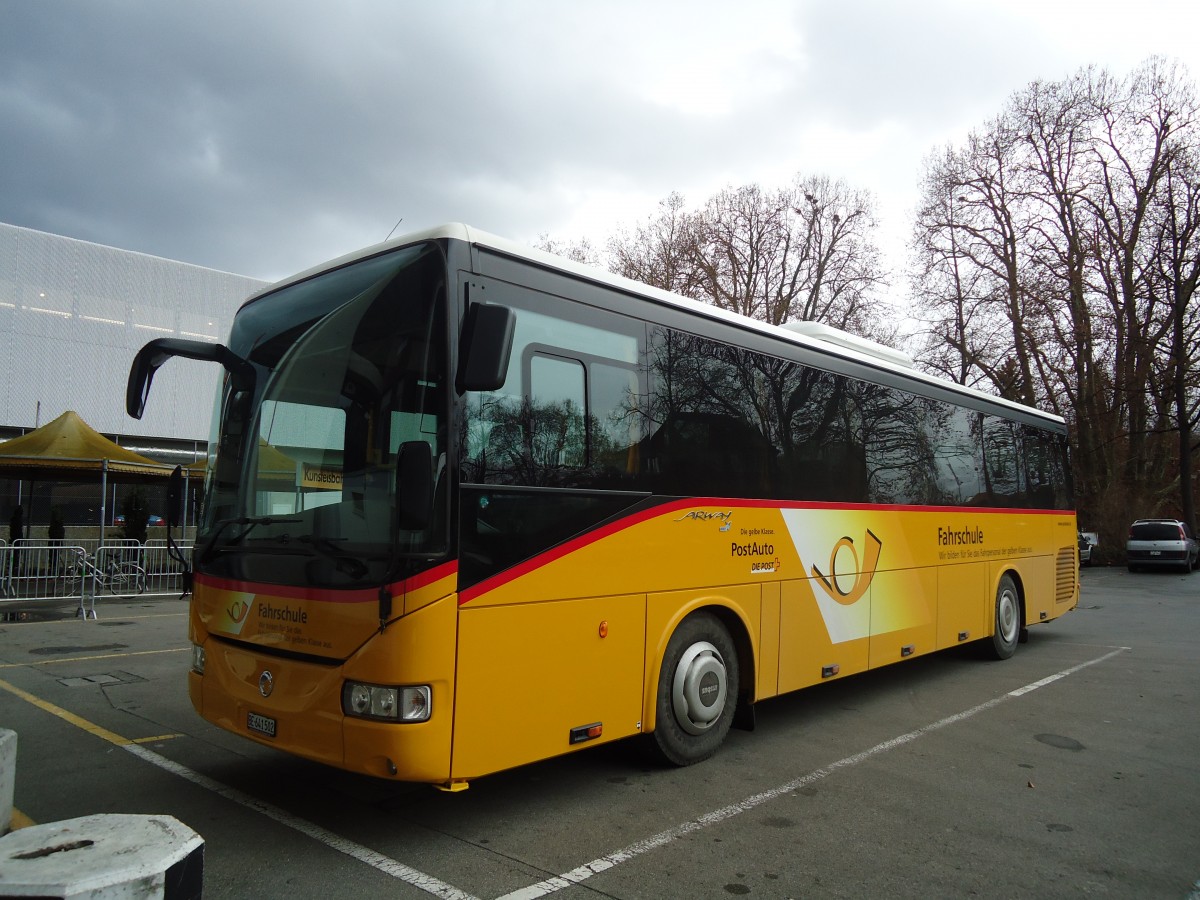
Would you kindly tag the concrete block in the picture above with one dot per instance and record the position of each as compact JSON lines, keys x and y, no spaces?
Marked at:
{"x":104,"y":857}
{"x":8,"y":777}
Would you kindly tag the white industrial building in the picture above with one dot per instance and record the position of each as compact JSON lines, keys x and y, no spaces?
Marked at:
{"x":72,"y":316}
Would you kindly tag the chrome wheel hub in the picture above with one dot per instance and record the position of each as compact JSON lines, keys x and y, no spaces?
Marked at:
{"x":699,"y":688}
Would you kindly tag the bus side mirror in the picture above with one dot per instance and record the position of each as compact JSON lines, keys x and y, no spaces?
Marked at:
{"x":175,"y":497}
{"x":414,"y":486}
{"x":151,"y":357}
{"x":484,"y":348}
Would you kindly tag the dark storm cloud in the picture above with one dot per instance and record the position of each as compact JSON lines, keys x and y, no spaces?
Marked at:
{"x":264,"y":137}
{"x":261,"y":138}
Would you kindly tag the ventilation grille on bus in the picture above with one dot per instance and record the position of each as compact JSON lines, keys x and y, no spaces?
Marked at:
{"x":1064,"y":576}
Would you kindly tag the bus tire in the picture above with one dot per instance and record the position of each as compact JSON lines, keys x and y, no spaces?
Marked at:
{"x":697,"y":691}
{"x":1006,"y":619}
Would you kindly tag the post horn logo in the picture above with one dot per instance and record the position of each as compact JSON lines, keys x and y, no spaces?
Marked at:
{"x":863,"y":572}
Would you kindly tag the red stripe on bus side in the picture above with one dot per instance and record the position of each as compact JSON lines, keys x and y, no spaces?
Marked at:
{"x":325,"y":595}
{"x":556,"y":553}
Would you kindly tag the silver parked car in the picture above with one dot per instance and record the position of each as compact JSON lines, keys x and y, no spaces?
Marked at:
{"x":1161,"y":542}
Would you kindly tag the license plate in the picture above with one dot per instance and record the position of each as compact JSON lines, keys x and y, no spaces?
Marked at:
{"x":261,"y":724}
{"x":1156,"y":553}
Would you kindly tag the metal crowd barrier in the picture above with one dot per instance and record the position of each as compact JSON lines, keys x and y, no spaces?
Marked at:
{"x":46,"y":571}
{"x":162,"y":572}
{"x":91,"y":545}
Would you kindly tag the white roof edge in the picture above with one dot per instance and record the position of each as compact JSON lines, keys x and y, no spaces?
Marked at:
{"x":822,"y":332}
{"x":452,"y":230}
{"x":813,"y":335}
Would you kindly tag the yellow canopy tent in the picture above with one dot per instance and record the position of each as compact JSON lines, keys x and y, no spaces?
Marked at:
{"x":276,"y":470}
{"x":273,"y":465}
{"x":68,"y":449}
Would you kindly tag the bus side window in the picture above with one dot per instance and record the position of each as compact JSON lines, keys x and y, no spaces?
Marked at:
{"x":953,"y":434}
{"x":567,"y":414}
{"x":900,"y":466}
{"x":555,"y":417}
{"x":1004,"y":462}
{"x":824,"y":457}
{"x":1048,"y":487}
{"x":615,"y":425}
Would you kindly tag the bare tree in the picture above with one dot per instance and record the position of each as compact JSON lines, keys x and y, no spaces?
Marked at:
{"x":1178,"y":272}
{"x":1067,"y":219}
{"x":580,"y":251}
{"x":741,"y":235}
{"x":837,"y":274}
{"x":968,"y":266}
{"x":660,"y":251}
{"x":805,"y":252}
{"x":1135,"y":119}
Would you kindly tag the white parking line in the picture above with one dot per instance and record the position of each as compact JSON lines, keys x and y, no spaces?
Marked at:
{"x":437,"y":888}
{"x":384,"y":864}
{"x":587,"y":870}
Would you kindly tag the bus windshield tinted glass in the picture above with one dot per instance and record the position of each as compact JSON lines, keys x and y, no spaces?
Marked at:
{"x":350,"y":365}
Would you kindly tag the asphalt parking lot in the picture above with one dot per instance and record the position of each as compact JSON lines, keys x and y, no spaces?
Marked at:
{"x":1071,"y":770}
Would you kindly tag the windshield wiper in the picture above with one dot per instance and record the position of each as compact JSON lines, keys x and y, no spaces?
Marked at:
{"x":345,"y":563}
{"x":251,"y":522}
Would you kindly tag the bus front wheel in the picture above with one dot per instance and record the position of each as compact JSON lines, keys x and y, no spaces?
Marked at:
{"x":697,"y":691}
{"x":1007,"y":619}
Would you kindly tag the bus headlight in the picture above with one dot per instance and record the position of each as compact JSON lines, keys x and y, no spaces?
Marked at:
{"x":197,"y":659}
{"x":396,"y":704}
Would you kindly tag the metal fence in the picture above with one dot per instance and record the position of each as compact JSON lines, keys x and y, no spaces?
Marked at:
{"x":44,"y":571}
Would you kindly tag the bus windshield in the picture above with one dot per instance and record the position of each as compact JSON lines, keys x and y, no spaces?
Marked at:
{"x":349,"y":366}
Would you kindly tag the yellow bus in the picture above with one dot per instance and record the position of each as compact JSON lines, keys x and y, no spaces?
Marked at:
{"x":469,"y":505}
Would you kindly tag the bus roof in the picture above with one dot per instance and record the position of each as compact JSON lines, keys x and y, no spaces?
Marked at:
{"x":812,"y":335}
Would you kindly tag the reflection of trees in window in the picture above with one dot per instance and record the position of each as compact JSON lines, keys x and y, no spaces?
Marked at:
{"x":519,"y":441}
{"x":1045,"y":461}
{"x":899,"y":455}
{"x":1022,"y":466}
{"x":534,"y":443}
{"x":708,"y":419}
{"x":698,"y":375}
{"x":771,"y":427}
{"x":765,"y":426}
{"x":555,"y":450}
{"x":1004,"y":463}
{"x":953,"y":434}
{"x":616,"y":424}
{"x":820,"y":436}
{"x":568,"y":414}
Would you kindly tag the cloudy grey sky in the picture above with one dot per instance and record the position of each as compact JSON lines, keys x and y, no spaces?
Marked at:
{"x":263,"y":137}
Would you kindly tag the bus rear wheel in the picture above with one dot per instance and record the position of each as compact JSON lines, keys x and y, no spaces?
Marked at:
{"x":697,"y":691}
{"x":1007,"y":622}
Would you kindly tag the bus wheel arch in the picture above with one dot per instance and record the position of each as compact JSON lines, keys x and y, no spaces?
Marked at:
{"x":700,"y":684}
{"x":1008,"y":616}
{"x":743,"y":716}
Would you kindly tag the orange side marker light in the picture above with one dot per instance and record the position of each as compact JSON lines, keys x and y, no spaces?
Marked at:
{"x":586,"y":733}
